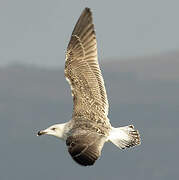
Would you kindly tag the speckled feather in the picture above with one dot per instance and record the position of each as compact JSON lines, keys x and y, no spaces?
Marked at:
{"x":89,"y":128}
{"x":82,"y":69}
{"x":89,"y":95}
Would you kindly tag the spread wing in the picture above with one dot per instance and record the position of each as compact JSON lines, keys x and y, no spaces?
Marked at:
{"x":82,"y":70}
{"x":85,"y":147}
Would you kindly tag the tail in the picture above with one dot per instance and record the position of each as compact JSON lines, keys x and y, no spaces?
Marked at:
{"x":125,"y":137}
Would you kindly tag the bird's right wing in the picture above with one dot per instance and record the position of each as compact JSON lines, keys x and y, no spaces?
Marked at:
{"x":85,"y":147}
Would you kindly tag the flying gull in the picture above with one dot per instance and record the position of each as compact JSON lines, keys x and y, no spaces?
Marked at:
{"x":89,"y":128}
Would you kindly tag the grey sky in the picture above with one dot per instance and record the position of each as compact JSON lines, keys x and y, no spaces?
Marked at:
{"x":38,"y":31}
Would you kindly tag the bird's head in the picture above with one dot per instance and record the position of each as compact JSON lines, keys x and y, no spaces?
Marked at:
{"x":57,"y":130}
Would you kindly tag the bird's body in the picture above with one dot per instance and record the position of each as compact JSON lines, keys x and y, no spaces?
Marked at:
{"x":89,"y":128}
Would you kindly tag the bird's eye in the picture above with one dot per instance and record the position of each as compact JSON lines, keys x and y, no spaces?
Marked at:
{"x":53,"y":128}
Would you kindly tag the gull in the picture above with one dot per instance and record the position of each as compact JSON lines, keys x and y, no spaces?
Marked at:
{"x":89,"y":128}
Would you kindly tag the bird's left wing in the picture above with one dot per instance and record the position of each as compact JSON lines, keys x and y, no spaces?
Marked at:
{"x":82,"y":70}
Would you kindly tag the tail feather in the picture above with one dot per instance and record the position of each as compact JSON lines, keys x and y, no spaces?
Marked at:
{"x":125,"y":137}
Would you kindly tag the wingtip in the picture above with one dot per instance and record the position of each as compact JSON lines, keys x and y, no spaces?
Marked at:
{"x":87,"y":10}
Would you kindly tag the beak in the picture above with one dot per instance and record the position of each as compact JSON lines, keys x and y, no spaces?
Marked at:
{"x":41,"y":133}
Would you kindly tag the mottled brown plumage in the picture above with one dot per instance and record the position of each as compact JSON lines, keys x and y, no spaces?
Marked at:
{"x":89,"y":128}
{"x":89,"y":95}
{"x":85,"y":146}
{"x":82,"y":68}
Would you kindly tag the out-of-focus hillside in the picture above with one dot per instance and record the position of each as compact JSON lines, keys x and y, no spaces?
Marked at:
{"x":142,"y":91}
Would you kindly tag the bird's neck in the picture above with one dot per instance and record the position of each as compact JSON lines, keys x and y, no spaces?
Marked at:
{"x":65,"y":128}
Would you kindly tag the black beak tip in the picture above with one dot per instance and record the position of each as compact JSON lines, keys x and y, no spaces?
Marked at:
{"x":39,"y":133}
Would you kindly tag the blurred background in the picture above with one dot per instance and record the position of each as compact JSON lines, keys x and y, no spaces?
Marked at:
{"x":138,"y":47}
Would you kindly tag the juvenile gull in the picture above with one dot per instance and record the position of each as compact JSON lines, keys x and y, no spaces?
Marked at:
{"x":89,"y":128}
